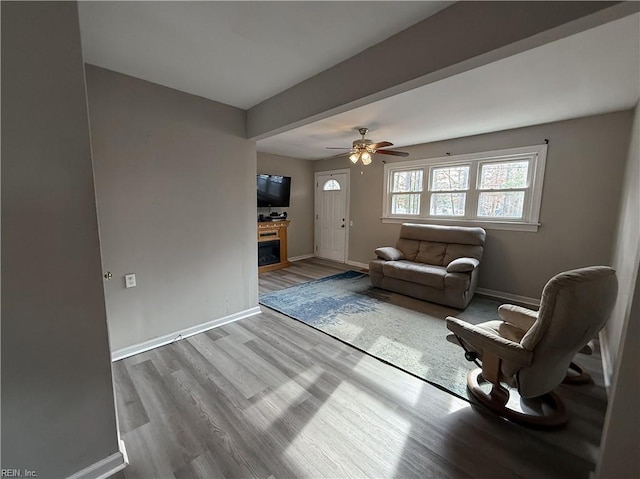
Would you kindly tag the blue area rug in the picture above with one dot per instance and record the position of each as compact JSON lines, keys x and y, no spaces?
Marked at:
{"x":404,"y":332}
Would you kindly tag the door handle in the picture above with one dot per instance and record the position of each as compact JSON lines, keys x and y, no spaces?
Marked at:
{"x":341,"y":226}
{"x":108,"y":275}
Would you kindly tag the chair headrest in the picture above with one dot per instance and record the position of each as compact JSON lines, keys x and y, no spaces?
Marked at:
{"x":573,"y":302}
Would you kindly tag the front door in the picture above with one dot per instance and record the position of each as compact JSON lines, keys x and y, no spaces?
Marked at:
{"x":332,"y":193}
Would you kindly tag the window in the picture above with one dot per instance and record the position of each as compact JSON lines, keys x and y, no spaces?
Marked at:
{"x":331,"y":185}
{"x":498,"y":189}
{"x":449,"y":185}
{"x":406,"y":189}
{"x":502,"y":189}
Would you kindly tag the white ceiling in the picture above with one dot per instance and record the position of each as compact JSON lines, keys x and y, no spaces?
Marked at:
{"x":241,"y":53}
{"x":592,"y":72}
{"x":238,"y":53}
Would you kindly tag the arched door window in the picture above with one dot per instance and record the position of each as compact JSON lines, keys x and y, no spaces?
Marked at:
{"x":331,"y":185}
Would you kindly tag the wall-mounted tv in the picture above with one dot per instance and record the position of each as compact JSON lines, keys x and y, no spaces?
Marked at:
{"x":273,"y":191}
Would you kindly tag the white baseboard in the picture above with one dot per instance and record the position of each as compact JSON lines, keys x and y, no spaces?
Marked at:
{"x":607,"y":364}
{"x":184,"y":333}
{"x":509,"y":297}
{"x":106,"y":467}
{"x":359,"y":265}
{"x":304,"y":256}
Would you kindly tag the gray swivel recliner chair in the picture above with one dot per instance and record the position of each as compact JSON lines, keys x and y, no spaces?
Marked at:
{"x":532,"y":350}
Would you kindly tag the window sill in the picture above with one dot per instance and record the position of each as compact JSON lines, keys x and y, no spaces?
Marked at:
{"x":489,"y":225}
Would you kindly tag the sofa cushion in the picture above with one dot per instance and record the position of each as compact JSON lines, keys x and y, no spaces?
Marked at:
{"x":430,"y":252}
{"x":389,"y":253}
{"x":443,"y":234}
{"x":409,"y":248}
{"x":420,"y":273}
{"x":462,"y":265}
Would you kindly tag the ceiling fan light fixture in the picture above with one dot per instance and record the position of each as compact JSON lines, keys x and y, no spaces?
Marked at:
{"x":363,"y":149}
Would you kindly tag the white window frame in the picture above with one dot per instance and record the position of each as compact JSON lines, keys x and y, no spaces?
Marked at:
{"x":430,"y":192}
{"x":536,"y":154}
{"x":420,"y":193}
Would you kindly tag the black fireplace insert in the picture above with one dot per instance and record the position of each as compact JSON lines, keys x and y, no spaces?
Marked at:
{"x":268,"y":252}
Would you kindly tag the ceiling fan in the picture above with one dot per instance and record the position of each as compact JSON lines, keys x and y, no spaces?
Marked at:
{"x":363,"y":148}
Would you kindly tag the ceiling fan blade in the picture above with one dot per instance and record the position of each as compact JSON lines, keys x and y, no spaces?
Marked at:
{"x":392,"y":153}
{"x":338,"y":147}
{"x":381,"y":144}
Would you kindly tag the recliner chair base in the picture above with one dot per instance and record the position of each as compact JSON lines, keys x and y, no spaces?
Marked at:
{"x":576,"y":374}
{"x":496,"y":400}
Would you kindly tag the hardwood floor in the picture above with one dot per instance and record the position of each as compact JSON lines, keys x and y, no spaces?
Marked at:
{"x":268,"y":396}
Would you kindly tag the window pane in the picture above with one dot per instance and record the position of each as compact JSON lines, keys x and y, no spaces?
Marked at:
{"x":503,"y":176}
{"x":407,"y":181}
{"x":501,"y":204}
{"x":450,"y":178}
{"x":408,"y":204}
{"x":331,"y":185}
{"x":448,"y":204}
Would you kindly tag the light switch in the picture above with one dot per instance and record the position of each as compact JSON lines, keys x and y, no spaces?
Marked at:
{"x":130,"y":280}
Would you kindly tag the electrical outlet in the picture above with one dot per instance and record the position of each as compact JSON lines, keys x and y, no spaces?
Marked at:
{"x":130,"y":280}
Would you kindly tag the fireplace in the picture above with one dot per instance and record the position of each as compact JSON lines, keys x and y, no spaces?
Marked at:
{"x":268,"y":252}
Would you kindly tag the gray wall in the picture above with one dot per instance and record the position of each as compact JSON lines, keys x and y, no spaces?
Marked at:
{"x":58,"y":413}
{"x":300,"y":231}
{"x":581,"y":196}
{"x":627,"y":246}
{"x":621,"y":337}
{"x":621,"y":436}
{"x":175,"y":184}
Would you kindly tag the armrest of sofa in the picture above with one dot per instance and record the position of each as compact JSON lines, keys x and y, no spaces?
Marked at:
{"x":487,"y":340}
{"x":389,"y":253}
{"x":462,"y":265}
{"x":521,"y":318}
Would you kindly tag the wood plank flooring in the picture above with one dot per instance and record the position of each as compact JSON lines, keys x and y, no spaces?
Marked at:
{"x":268,"y":396}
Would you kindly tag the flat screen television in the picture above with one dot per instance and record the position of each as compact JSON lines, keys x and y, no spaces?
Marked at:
{"x":273,"y":191}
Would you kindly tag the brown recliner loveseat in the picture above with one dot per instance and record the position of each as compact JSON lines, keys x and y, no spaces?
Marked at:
{"x":433,"y":263}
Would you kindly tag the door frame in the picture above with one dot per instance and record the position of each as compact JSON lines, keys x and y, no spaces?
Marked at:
{"x":347,"y":221}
